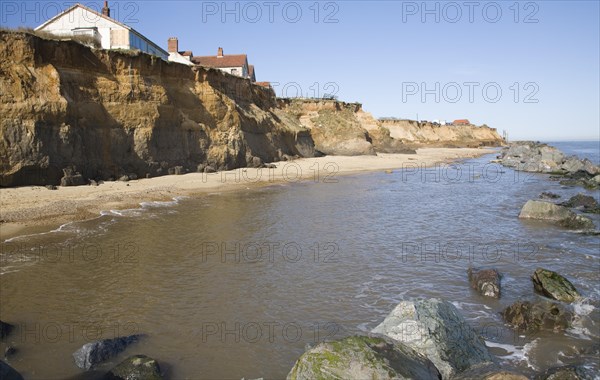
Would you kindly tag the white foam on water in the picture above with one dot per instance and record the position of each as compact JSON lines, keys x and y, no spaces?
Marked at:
{"x":517,"y":354}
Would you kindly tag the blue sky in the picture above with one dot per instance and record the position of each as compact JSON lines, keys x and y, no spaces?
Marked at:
{"x":531,"y":68}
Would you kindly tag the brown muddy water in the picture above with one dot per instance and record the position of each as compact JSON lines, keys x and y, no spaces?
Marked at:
{"x":236,"y":285}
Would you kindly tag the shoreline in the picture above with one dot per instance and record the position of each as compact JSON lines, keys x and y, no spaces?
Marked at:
{"x":34,"y":209}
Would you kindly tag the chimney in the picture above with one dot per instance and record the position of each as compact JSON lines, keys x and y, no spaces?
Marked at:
{"x":106,"y":9}
{"x":220,"y":53}
{"x":173,"y":45}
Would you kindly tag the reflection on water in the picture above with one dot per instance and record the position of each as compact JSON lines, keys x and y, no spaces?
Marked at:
{"x":235,"y":285}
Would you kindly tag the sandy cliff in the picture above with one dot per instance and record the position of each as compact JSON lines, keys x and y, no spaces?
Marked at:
{"x":429,"y":134}
{"x":109,"y":113}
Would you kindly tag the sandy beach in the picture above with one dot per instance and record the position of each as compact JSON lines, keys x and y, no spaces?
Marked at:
{"x":35,"y":208}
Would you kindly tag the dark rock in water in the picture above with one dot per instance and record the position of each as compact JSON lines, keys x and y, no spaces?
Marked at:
{"x":556,"y":214}
{"x":435,"y":329}
{"x":549,"y":195}
{"x":9,"y":351}
{"x":568,"y":372}
{"x":540,"y":315}
{"x":586,"y":203}
{"x":553,"y":285}
{"x":488,"y":371}
{"x":9,"y":373}
{"x":270,"y":166}
{"x":72,"y":178}
{"x":135,"y":367}
{"x":124,"y":178}
{"x":209,"y":169}
{"x":362,"y":357}
{"x":5,"y":329}
{"x":51,"y":187}
{"x":485,"y":281}
{"x":97,"y":352}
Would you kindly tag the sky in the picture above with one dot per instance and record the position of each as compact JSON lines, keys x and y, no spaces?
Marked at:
{"x":531,"y":68}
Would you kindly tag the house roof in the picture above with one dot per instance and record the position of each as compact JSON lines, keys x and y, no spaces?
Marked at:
{"x":78,"y":5}
{"x":186,"y":53}
{"x":263,"y":84}
{"x":231,"y":60}
{"x":461,"y":121}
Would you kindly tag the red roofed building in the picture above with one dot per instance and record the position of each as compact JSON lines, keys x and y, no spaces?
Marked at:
{"x":235,"y":64}
{"x":461,"y":122}
{"x":264,"y":84}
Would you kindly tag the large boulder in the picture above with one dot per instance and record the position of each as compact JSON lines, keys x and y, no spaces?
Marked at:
{"x":573,"y":165}
{"x":9,"y":373}
{"x":540,"y":315}
{"x":488,"y":371}
{"x":98,"y":351}
{"x":556,"y":214}
{"x":5,"y":329}
{"x":585,"y":203}
{"x":436,"y":329}
{"x":362,"y":357}
{"x":137,"y":367}
{"x":553,"y":285}
{"x":485,"y":281}
{"x":567,"y":372}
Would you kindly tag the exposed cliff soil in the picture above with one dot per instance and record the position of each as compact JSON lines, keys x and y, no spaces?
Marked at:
{"x":428,"y":134}
{"x":107,"y":114}
{"x":340,"y":128}
{"x":110,"y":114}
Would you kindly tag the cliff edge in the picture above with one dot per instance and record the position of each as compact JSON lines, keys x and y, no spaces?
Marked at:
{"x":108,"y":114}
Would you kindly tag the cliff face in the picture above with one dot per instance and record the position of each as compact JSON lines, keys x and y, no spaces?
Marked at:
{"x":419,"y":134}
{"x":339,"y":128}
{"x":109,"y":113}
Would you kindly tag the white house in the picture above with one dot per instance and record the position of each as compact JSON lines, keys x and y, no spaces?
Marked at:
{"x":80,"y":20}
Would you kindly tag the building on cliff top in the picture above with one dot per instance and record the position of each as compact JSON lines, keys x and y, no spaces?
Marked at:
{"x":108,"y":33}
{"x":235,"y":64}
{"x":184,"y":57}
{"x":461,"y":122}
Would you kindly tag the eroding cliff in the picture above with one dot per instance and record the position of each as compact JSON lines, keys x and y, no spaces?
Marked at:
{"x":340,"y":128}
{"x":107,"y":114}
{"x":424,"y":133}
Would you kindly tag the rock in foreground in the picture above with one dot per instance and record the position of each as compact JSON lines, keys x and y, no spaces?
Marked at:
{"x":97,"y":352}
{"x":488,"y":371}
{"x":568,"y":372}
{"x":553,"y":285}
{"x":136,"y":367}
{"x":362,"y":357}
{"x":585,"y":203}
{"x":533,"y":316}
{"x":556,"y":214}
{"x":9,"y":373}
{"x":485,"y":281}
{"x":435,"y":329}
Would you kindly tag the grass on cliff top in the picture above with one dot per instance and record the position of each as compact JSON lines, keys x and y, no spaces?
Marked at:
{"x":84,"y":40}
